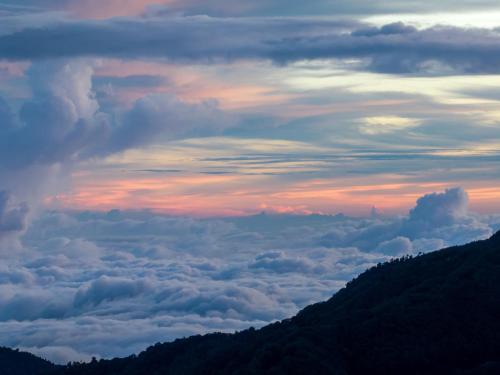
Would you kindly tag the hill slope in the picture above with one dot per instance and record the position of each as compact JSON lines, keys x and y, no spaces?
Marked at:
{"x":435,"y":314}
{"x":14,"y":362}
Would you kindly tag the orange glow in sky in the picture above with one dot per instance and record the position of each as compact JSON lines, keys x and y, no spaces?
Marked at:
{"x":232,"y":195}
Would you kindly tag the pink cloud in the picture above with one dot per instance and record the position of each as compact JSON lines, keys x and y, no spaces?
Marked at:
{"x":234,"y":195}
{"x":194,"y":84}
{"x":99,"y":9}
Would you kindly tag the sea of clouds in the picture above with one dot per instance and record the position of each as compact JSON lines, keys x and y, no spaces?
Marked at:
{"x":79,"y":284}
{"x":86,"y":284}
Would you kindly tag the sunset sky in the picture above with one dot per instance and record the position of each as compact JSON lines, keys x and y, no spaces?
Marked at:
{"x":170,"y":165}
{"x":229,"y":108}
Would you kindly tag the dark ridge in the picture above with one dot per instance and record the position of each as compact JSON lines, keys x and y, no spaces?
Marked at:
{"x":15,"y":362}
{"x":433,"y":314}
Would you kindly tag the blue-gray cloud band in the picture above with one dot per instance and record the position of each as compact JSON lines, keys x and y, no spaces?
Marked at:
{"x":394,"y":48}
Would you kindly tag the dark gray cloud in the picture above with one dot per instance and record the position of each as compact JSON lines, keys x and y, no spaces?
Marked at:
{"x":394,"y":48}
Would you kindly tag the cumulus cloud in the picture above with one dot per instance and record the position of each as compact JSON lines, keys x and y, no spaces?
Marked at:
{"x":393,"y":48}
{"x":110,"y":284}
{"x":48,"y":132}
{"x":109,"y":289}
{"x":278,"y":261}
{"x":56,"y":123}
{"x":438,"y":209}
{"x":14,"y":275}
{"x":62,"y":124}
{"x":13,"y":216}
{"x":63,"y":120}
{"x":444,"y":215}
{"x":27,"y":305}
{"x":396,"y":247}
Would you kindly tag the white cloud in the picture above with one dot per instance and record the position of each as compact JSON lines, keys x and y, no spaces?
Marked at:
{"x":396,"y":247}
{"x":62,"y":123}
{"x":445,"y":216}
{"x":387,"y":124}
{"x":438,"y":209}
{"x":110,"y":284}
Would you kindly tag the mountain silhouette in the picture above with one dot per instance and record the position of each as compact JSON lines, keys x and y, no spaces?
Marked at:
{"x":437,"y":313}
{"x":15,"y":362}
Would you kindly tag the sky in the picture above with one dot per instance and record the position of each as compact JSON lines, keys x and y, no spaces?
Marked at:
{"x":172,"y":167}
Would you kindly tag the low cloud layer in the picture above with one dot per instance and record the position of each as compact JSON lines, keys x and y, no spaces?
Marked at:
{"x":110,"y":284}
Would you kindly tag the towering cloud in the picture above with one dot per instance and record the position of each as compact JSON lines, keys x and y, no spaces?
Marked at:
{"x":49,"y":131}
{"x":62,"y":124}
{"x":444,"y":215}
{"x":439,"y":209}
{"x":57,"y":122}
